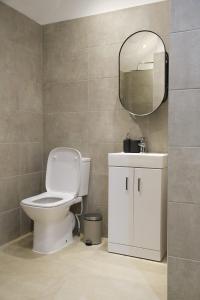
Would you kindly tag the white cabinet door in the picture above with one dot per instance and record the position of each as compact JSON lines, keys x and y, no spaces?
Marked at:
{"x":147,"y":208}
{"x":120,"y":205}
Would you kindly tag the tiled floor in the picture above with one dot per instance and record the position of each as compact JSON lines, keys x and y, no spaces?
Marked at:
{"x":77,"y":273}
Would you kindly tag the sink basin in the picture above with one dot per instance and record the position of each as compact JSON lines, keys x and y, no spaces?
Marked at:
{"x":138,"y":160}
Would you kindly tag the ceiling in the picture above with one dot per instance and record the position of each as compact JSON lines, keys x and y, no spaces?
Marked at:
{"x":50,"y":11}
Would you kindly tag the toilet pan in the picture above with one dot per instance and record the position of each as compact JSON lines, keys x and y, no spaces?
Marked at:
{"x":67,"y":181}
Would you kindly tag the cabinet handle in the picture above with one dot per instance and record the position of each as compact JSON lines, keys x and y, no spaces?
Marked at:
{"x":139,"y":184}
{"x":126,"y":183}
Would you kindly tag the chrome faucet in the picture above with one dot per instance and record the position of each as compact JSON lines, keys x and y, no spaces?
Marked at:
{"x":142,"y":145}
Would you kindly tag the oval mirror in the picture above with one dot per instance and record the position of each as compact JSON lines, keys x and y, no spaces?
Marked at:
{"x":143,"y":73}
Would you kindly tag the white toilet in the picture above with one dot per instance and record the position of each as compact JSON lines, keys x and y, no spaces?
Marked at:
{"x":67,"y":179}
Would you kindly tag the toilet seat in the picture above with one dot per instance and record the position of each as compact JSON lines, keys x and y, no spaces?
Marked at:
{"x":61,"y":189}
{"x":50,"y":200}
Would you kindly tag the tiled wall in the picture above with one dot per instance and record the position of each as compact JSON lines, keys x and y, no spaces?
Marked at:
{"x":184,"y":152}
{"x":82,"y":109}
{"x":21,"y":121}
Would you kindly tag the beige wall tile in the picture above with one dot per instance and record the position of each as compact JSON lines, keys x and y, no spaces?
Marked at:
{"x":103,"y":61}
{"x":70,"y":36}
{"x":28,"y":34}
{"x":30,"y":157}
{"x":62,"y":66}
{"x":114,"y":27}
{"x":19,"y":95}
{"x":184,"y":15}
{"x":113,"y":126}
{"x":9,"y":224}
{"x":123,"y":123}
{"x":26,"y":224}
{"x":9,"y":194}
{"x":29,"y":96}
{"x":99,"y":155}
{"x":66,"y":97}
{"x":157,"y":140}
{"x":66,"y":127}
{"x":6,"y":18}
{"x":184,"y":230}
{"x":103,"y":29}
{"x":103,"y":94}
{"x":185,"y":64}
{"x":184,"y":111}
{"x":9,"y":128}
{"x":153,"y":17}
{"x":101,"y":128}
{"x":29,"y":185}
{"x":9,"y":160}
{"x":27,"y":65}
{"x":183,"y":279}
{"x":18,"y":28}
{"x":7,"y":57}
{"x":184,"y":175}
{"x":31,"y":127}
{"x":8,"y":92}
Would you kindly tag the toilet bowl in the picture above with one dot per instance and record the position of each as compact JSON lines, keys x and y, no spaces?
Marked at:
{"x":67,"y":179}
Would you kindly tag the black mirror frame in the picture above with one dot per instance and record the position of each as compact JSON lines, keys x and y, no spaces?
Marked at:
{"x":166,"y":73}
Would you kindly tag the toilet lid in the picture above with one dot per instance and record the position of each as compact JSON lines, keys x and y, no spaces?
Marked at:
{"x":63,"y":171}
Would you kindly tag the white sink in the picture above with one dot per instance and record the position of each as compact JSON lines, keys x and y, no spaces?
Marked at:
{"x":138,"y":160}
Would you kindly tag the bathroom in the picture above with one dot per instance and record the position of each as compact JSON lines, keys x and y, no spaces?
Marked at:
{"x":61,"y":65}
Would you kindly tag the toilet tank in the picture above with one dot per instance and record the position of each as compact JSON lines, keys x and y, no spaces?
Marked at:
{"x":85,"y":173}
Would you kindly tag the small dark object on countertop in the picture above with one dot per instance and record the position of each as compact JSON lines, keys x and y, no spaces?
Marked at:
{"x":127,"y":144}
{"x":135,"y":146}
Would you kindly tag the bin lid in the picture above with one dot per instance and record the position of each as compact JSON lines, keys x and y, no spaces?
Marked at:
{"x":93,"y":217}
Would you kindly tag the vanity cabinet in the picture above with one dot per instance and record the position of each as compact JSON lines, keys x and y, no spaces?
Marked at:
{"x":137,"y":208}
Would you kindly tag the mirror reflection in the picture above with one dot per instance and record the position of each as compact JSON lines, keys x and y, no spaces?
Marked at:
{"x":142,"y":67}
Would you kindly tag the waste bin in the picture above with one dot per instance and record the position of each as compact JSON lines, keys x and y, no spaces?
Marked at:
{"x":92,"y":228}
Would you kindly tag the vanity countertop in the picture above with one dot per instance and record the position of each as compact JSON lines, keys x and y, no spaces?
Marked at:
{"x":138,"y":160}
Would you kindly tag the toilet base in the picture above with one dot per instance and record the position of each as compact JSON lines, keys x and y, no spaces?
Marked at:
{"x":53,"y":236}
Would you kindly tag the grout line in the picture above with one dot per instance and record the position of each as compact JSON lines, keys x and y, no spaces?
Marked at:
{"x":191,"y":203}
{"x":185,"y":259}
{"x":43,"y":100}
{"x":86,"y":111}
{"x":21,"y":111}
{"x":78,"y":81}
{"x":18,"y":111}
{"x":2,"y":213}
{"x":186,"y":30}
{"x":20,"y":175}
{"x":31,"y":173}
{"x":19,"y":143}
{"x":84,"y":48}
{"x":15,"y":240}
{"x":181,"y":146}
{"x":184,"y":89}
